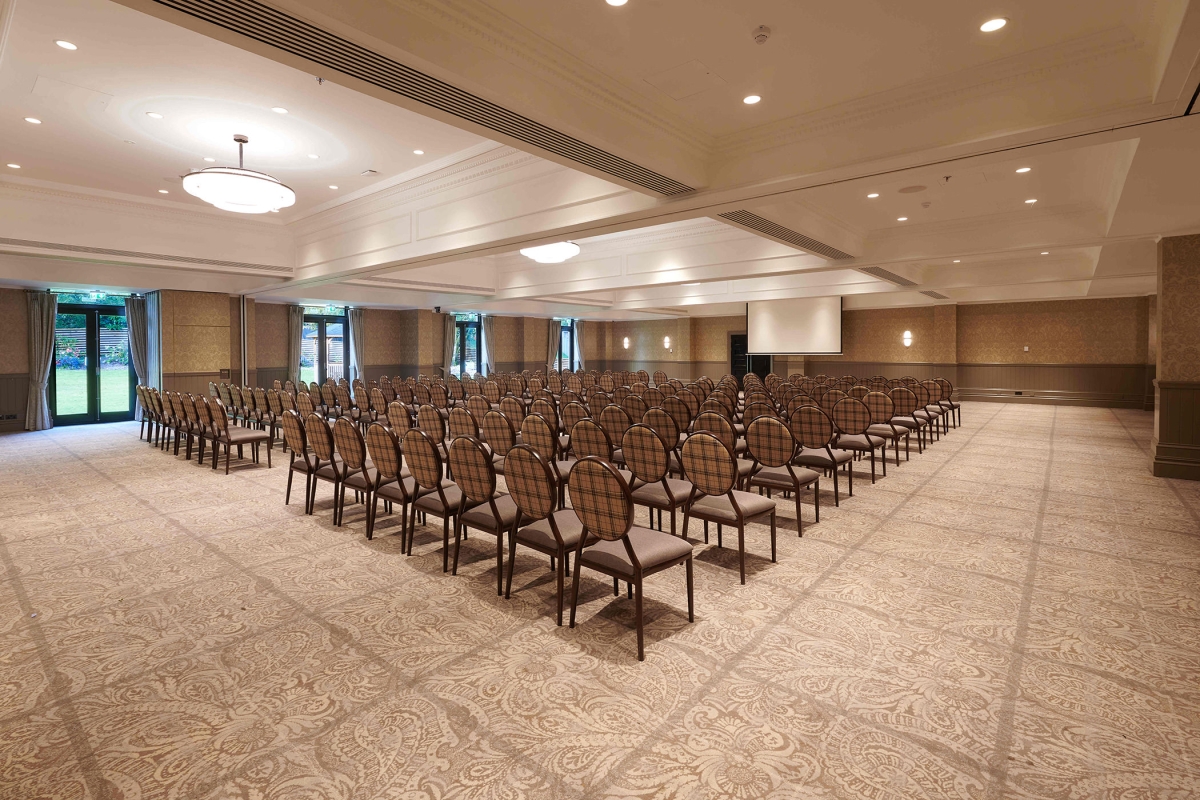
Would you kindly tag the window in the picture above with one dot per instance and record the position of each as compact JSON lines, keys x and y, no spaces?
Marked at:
{"x":566,"y":348}
{"x":323,"y":344}
{"x":93,"y":378}
{"x":466,"y":344}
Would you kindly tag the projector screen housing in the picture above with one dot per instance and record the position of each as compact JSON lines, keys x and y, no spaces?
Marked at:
{"x":809,"y":326}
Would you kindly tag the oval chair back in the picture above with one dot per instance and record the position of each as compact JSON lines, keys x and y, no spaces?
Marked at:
{"x":645,"y":453}
{"x":589,"y":439}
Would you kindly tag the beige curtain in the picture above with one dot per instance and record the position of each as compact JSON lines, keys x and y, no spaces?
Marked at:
{"x":357,"y":317}
{"x":553,"y":342}
{"x":135,"y":317}
{"x":154,"y":340}
{"x":449,"y":326}
{"x":487,"y":329}
{"x":42,"y":308}
{"x":579,"y":344}
{"x":295,"y":340}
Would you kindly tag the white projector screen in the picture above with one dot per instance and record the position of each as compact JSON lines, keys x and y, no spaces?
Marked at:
{"x":801,"y":326}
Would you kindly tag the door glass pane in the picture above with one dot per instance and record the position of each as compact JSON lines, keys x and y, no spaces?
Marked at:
{"x":335,"y":370}
{"x":471,"y":349}
{"x":114,"y":363}
{"x":308,"y":353}
{"x":564,"y":350}
{"x":70,"y":364}
{"x":456,"y":365}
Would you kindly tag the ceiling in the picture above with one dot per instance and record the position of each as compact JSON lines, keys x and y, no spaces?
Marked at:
{"x":915,"y":105}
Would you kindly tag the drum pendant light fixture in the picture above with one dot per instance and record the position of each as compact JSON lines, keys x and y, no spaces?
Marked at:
{"x":237,"y":188}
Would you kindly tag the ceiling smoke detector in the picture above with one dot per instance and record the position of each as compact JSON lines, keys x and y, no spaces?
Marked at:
{"x":761,"y":34}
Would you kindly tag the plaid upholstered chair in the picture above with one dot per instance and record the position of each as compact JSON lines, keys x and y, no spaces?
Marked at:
{"x":463,"y":423}
{"x":500,"y":435}
{"x":615,"y":422}
{"x":303,"y":460}
{"x":478,"y":405}
{"x":437,"y":494}
{"x":224,"y":434}
{"x":947,"y":401}
{"x":329,"y":406}
{"x":434,"y":426}
{"x":352,"y":466}
{"x":933,"y":406}
{"x":647,"y":457}
{"x":537,"y":433}
{"x":905,"y":403}
{"x":923,"y":414}
{"x":709,"y":465}
{"x":660,"y":377}
{"x":393,"y":482}
{"x":513,"y":408}
{"x":772,"y":447}
{"x":796,"y":401}
{"x":482,"y":508}
{"x":399,"y":417}
{"x":439,"y":398}
{"x":204,"y":430}
{"x":679,"y":412}
{"x":664,"y":425}
{"x":719,"y":426}
{"x":634,"y":406}
{"x":611,"y":545}
{"x":813,"y":430}
{"x":492,"y":393}
{"x":422,"y":396}
{"x":882,"y":411}
{"x":853,"y":418}
{"x":326,"y":464}
{"x":653,"y":397}
{"x":572,"y":413}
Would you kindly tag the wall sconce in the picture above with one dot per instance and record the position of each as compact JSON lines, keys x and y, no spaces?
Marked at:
{"x":666,"y":342}
{"x":908,"y":338}
{"x":625,"y":342}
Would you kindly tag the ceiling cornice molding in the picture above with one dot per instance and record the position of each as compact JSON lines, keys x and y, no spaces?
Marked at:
{"x":485,"y":165}
{"x":499,"y":34}
{"x":920,"y":97}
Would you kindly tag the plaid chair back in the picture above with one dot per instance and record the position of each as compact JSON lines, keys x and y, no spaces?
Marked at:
{"x":517,"y":385}
{"x":424,"y":460}
{"x":831,"y":399}
{"x":770,"y":442}
{"x":342,"y":397}
{"x":319,"y":437}
{"x":275,"y":401}
{"x":714,"y":406}
{"x":708,"y":464}
{"x":478,"y":405}
{"x":491,"y":390}
{"x":569,"y":397}
{"x":513,"y":408}
{"x":935,"y":391}
{"x":544,"y":408}
{"x":439,"y":395}
{"x":404,"y":393}
{"x":589,"y":439}
{"x":399,"y":417}
{"x":421,"y":395}
{"x":645,"y":453}
{"x":615,"y":422}
{"x":430,"y":421}
{"x":463,"y":423}
{"x":689,"y":399}
{"x":530,"y":482}
{"x":757,"y":395}
{"x":620,"y":393}
{"x":667,"y":389}
{"x":189,"y":408}
{"x":287,"y":400}
{"x":639,"y":387}
{"x":536,"y":431}
{"x":378,"y":401}
{"x":235,"y":397}
{"x":642,"y":376}
{"x":922,"y":393}
{"x":423,"y":378}
{"x":361,"y":395}
{"x":601,"y":499}
{"x":820,"y":378}
{"x":203,"y":412}
{"x":554,"y":381}
{"x":223,"y":393}
{"x":607,"y":382}
{"x":328,"y":396}
{"x":536,"y":385}
{"x":758,"y":409}
{"x":314,"y":389}
{"x":904,"y":400}
{"x":715,"y":424}
{"x":260,"y":399}
{"x":304,"y":405}
{"x":663,"y":424}
{"x":947,"y":388}
{"x":659,"y":377}
{"x":881,"y":406}
{"x":678,"y":410}
{"x":389,"y":391}
{"x":457,"y":392}
{"x":852,"y":417}
{"x":472,"y":469}
{"x":573,"y":413}
{"x":293,"y":432}
{"x":498,"y":431}
{"x":858,"y":391}
{"x":635,"y":406}
{"x":653,"y":397}
{"x":349,"y":443}
{"x":811,"y":427}
{"x":784,"y":393}
{"x":220,"y":420}
{"x":384,"y":448}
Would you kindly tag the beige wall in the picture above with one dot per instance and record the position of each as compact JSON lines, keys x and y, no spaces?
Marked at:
{"x":1178,"y":324}
{"x":383,"y":337}
{"x":878,"y":335}
{"x":270,"y":335}
{"x":1089,"y":331}
{"x":508,"y":347}
{"x":14,"y":310}
{"x":196,"y":339}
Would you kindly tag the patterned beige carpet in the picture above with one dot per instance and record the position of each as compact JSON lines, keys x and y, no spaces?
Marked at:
{"x":1015,"y":613}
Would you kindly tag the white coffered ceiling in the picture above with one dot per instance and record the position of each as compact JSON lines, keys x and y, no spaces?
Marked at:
{"x":914,"y":104}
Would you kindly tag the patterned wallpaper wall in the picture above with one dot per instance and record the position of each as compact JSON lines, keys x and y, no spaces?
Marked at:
{"x":509,"y":346}
{"x":270,"y":335}
{"x":878,"y":335}
{"x":14,"y":310}
{"x":710,"y":337}
{"x":1086,"y":331}
{"x":645,"y":340}
{"x":535,"y":342}
{"x":383,"y":337}
{"x":195,"y":332}
{"x":1178,"y":334}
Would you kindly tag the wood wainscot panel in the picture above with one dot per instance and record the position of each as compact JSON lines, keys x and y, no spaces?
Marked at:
{"x":1101,"y":385}
{"x":14,"y":396}
{"x":268,"y":375}
{"x":195,"y":383}
{"x":1175,"y":446}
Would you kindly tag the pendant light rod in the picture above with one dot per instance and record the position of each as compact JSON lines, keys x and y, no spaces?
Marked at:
{"x":242,"y":140}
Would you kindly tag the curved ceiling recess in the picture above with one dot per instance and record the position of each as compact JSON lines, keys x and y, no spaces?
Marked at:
{"x":276,"y":29}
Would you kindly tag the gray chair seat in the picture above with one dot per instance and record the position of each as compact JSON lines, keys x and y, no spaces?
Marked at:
{"x":814,"y":457}
{"x":539,"y":535}
{"x":780,"y":478}
{"x":244,"y":436}
{"x":720,"y":509}
{"x":432,"y":502}
{"x":675,"y":493}
{"x":861,"y":442}
{"x":391,"y":491}
{"x":653,"y":549}
{"x":481,"y":516}
{"x":883,"y":431}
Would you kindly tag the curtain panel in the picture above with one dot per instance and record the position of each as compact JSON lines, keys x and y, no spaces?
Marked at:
{"x":295,"y":341}
{"x":487,"y":329}
{"x":553,"y":342}
{"x":42,"y":308}
{"x":358,"y":342}
{"x":154,"y":365}
{"x":578,"y":355}
{"x":135,"y":317}
{"x":448,"y":329}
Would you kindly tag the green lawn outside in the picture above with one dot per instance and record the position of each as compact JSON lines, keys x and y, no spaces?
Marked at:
{"x":71,"y":390}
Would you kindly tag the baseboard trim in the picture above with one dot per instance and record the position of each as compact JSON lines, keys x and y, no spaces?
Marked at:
{"x":1175,"y":460}
{"x":1043,"y":397}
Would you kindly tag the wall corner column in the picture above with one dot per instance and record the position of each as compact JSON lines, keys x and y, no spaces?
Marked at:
{"x":1175,"y":445}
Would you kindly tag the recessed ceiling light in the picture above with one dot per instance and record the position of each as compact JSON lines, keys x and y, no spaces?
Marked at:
{"x":697,"y":283}
{"x":279,"y":110}
{"x":1031,"y":201}
{"x":209,"y":160}
{"x":901,"y":219}
{"x":551,"y":253}
{"x":33,"y":120}
{"x":1045,"y":252}
{"x":958,"y":261}
{"x":163,"y":191}
{"x":751,"y":99}
{"x":617,"y":2}
{"x":14,"y":166}
{"x":65,"y":45}
{"x":418,"y":152}
{"x":1023,"y":170}
{"x":313,"y":155}
{"x":153,"y":115}
{"x":993,"y":25}
{"x":331,"y":186}
{"x":872,"y":195}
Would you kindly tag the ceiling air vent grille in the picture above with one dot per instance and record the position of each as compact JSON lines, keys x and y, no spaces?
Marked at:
{"x":935,"y":295}
{"x":775,"y":231}
{"x":276,"y":29}
{"x":104,"y":251}
{"x":890,"y":277}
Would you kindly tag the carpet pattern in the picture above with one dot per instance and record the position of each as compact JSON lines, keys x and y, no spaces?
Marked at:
{"x":1013,"y":614}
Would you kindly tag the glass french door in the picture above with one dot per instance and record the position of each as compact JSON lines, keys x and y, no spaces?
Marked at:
{"x":323,"y":349}
{"x":566,"y":346}
{"x":93,"y":378}
{"x":466,"y":348}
